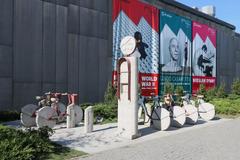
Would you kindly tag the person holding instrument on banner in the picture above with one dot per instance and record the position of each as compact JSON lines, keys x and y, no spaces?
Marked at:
{"x":204,"y":62}
{"x":173,"y":64}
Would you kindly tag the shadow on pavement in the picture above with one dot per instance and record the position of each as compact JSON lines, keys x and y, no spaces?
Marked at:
{"x":147,"y":130}
{"x":105,"y":128}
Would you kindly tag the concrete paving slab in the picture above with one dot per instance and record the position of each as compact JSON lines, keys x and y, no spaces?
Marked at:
{"x":105,"y":137}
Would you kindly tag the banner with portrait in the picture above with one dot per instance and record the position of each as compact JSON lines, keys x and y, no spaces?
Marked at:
{"x":175,"y":50}
{"x":203,"y":56}
{"x":140,"y":20}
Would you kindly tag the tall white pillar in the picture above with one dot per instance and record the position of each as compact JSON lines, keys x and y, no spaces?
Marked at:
{"x":128,"y":98}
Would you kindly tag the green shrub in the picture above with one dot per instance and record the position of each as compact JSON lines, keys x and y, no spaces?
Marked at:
{"x":236,"y":87}
{"x":226,"y":106}
{"x":85,"y":105}
{"x":107,"y":111}
{"x":220,"y":92}
{"x":24,"y":145}
{"x":233,"y":96}
{"x":110,"y":94}
{"x":180,"y":92}
{"x":168,"y":88}
{"x":202,"y":89}
{"x":210,"y":94}
{"x":9,"y":116}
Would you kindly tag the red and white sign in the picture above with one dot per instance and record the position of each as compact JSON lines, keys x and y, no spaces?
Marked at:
{"x":140,"y":20}
{"x":149,"y":84}
{"x":203,"y":56}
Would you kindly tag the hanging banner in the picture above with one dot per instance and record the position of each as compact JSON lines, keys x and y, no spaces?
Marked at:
{"x":204,"y":56}
{"x":175,"y":54}
{"x":140,"y":20}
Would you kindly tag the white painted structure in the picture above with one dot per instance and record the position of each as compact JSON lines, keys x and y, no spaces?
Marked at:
{"x":70,"y":116}
{"x":88,"y":120}
{"x":209,"y":9}
{"x":128,"y":90}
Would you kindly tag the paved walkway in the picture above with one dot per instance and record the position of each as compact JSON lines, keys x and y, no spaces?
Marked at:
{"x":219,"y":140}
{"x":105,"y":137}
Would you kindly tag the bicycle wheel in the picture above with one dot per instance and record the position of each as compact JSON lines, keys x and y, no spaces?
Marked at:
{"x":206,"y":111}
{"x":178,"y":117}
{"x":61,"y":108}
{"x":141,"y":115}
{"x":191,"y":114}
{"x":161,"y":118}
{"x":78,"y":114}
{"x":27,"y":115}
{"x":44,"y":117}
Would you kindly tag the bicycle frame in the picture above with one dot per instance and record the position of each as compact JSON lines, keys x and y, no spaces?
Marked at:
{"x":155,"y":105}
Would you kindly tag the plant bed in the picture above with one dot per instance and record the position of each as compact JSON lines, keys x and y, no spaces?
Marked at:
{"x":16,"y":144}
{"x":61,"y":153}
{"x":227,"y":106}
{"x":9,"y":116}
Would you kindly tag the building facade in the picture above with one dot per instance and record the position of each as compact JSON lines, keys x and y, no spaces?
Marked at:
{"x":66,"y":46}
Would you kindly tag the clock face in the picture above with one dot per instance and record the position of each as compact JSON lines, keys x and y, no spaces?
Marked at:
{"x":128,"y":45}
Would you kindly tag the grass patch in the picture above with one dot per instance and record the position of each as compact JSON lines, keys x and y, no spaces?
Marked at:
{"x":62,"y":153}
{"x":227,"y":116}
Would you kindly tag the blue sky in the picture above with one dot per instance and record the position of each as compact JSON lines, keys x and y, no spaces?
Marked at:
{"x":226,"y":10}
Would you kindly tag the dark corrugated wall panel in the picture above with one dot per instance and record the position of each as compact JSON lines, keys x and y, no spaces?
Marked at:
{"x":6,"y":54}
{"x":61,"y":49}
{"x":57,"y":45}
{"x":6,"y":22}
{"x":49,"y":46}
{"x":28,"y":49}
{"x":73,"y":19}
{"x":73,"y":62}
{"x":237,"y":55}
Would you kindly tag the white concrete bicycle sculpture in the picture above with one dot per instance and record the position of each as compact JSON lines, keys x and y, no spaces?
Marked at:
{"x":205,"y":110}
{"x":159,"y":116}
{"x":177,"y":113}
{"x":49,"y":111}
{"x":28,"y":112}
{"x":190,"y":109}
{"x":163,"y":114}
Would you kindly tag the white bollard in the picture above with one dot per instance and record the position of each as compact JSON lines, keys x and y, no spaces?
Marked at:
{"x":70,"y":116}
{"x":88,"y":120}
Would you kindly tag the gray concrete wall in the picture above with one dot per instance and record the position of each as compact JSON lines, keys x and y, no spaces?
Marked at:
{"x":53,"y":45}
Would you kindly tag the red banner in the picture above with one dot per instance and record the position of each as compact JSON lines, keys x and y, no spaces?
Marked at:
{"x":203,"y":56}
{"x":149,"y":83}
{"x":209,"y":82}
{"x":140,"y":20}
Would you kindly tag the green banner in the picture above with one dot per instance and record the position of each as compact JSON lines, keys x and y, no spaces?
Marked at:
{"x":175,"y":50}
{"x":177,"y":80}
